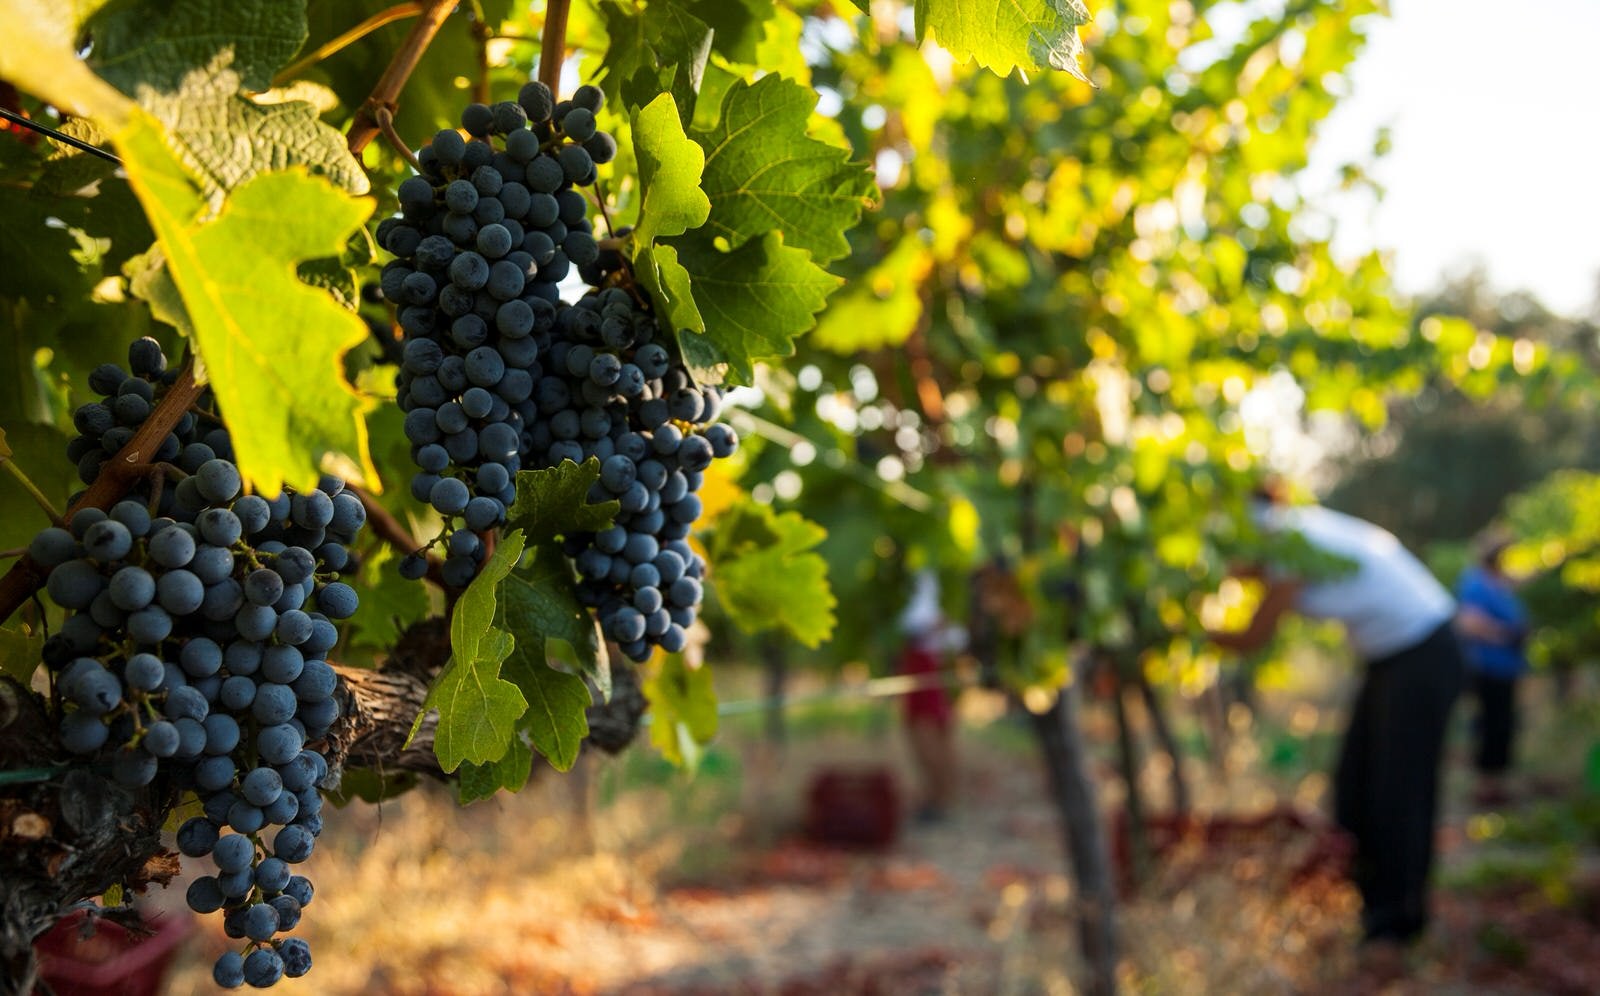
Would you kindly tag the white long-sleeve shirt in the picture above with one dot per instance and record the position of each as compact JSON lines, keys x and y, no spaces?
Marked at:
{"x":1389,"y":602}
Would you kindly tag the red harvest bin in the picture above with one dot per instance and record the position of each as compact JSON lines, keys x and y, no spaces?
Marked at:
{"x":853,"y":807}
{"x":112,"y":962}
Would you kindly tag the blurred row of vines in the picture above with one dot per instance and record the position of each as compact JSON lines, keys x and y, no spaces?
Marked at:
{"x":1054,"y":328}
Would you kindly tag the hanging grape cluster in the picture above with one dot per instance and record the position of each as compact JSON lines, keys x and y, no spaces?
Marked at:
{"x":484,"y":237}
{"x":195,"y":650}
{"x":612,"y":392}
{"x":499,"y":374}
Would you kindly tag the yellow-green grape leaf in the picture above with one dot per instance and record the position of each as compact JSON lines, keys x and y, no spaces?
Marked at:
{"x":683,"y":708}
{"x":272,"y":346}
{"x":555,"y":501}
{"x":540,"y":603}
{"x":764,"y":172}
{"x":151,"y":282}
{"x":668,"y":284}
{"x":478,"y":709}
{"x":39,"y":56}
{"x":481,"y":781}
{"x":670,"y":165}
{"x":766,"y":573}
{"x":755,"y":300}
{"x":880,"y":308}
{"x":1003,"y":35}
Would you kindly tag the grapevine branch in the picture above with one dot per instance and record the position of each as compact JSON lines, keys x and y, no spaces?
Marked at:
{"x":365,"y":127}
{"x":481,"y":35}
{"x":117,"y":476}
{"x":553,"y":46}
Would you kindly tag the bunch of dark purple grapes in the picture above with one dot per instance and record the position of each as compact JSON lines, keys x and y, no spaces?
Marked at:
{"x":199,"y":619}
{"x":485,"y":235}
{"x":612,"y":392}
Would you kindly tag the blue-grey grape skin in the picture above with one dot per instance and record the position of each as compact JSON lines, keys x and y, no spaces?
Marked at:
{"x":166,"y":671}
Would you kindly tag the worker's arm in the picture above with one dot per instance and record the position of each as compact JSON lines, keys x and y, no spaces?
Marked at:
{"x":1473,"y":622}
{"x":1279,"y":599}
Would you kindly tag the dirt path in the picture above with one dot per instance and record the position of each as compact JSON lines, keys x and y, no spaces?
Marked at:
{"x":683,"y":889}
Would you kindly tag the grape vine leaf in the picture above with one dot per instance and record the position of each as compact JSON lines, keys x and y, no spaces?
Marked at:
{"x":664,"y":48}
{"x":555,"y":501}
{"x":755,"y":300}
{"x":671,"y":203}
{"x":541,"y":604}
{"x":683,"y":707}
{"x":476,"y":782}
{"x":142,"y":46}
{"x":186,"y":64}
{"x":766,"y":573}
{"x":670,"y":168}
{"x":1003,"y":35}
{"x":555,"y":721}
{"x":150,"y":281}
{"x":669,"y":286}
{"x":478,"y":709}
{"x":19,"y":654}
{"x":285,"y":395}
{"x":40,"y":56}
{"x":225,"y":139}
{"x":763,"y":172}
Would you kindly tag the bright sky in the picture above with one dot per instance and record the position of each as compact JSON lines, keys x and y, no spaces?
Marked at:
{"x":1495,"y":114}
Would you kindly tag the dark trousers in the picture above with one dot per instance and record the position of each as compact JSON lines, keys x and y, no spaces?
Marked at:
{"x":1387,"y":785}
{"x":1497,"y":721}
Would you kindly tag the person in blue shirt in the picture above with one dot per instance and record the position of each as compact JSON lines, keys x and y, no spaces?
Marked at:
{"x":1493,"y":626}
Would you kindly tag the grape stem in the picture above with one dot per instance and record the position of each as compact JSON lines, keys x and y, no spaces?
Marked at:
{"x":553,"y":44}
{"x":117,"y":477}
{"x":600,"y":202}
{"x":34,"y":492}
{"x":398,"y":12}
{"x":389,"y":529}
{"x":481,"y":34}
{"x":386,"y":125}
{"x":387,"y":90}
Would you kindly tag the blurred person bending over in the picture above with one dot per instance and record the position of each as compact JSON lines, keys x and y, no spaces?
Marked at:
{"x":1397,"y":619}
{"x":930,"y":715}
{"x":1494,"y":626}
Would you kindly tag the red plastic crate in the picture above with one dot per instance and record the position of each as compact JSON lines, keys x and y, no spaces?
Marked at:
{"x":112,"y":962}
{"x":853,"y":807}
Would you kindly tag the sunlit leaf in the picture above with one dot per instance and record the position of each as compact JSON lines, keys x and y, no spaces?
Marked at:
{"x":478,"y":709}
{"x":763,"y":172}
{"x":755,"y":301}
{"x":285,"y":396}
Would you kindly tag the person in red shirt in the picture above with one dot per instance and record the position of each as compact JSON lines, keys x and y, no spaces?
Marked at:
{"x":929,"y":711}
